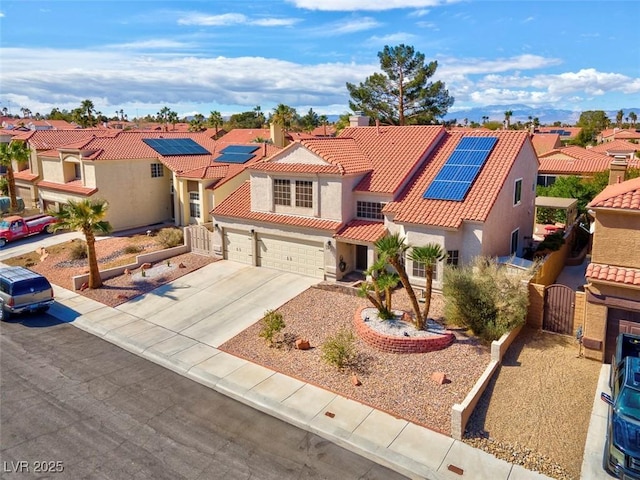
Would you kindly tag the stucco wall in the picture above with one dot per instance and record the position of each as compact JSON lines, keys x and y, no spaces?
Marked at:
{"x":616,"y":235}
{"x":52,"y":170}
{"x":135,"y":198}
{"x":505,"y":217}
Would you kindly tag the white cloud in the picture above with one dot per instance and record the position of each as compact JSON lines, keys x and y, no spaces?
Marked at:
{"x":1,"y":14}
{"x":450,"y":66}
{"x":212,"y":20}
{"x":528,"y":19}
{"x":371,"y":5}
{"x":393,"y":38}
{"x":351,"y":26}
{"x":152,"y":45}
{"x":230,"y":19}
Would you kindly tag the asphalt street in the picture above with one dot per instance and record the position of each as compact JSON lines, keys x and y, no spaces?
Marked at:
{"x":74,"y":406}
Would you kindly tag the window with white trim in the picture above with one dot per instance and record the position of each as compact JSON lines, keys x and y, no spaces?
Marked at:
{"x":419,"y":270}
{"x":157,"y":170}
{"x":194,"y":204}
{"x":281,"y":192}
{"x":517,"y":192}
{"x":514,"y":241}
{"x":369,"y":210}
{"x":304,"y":194}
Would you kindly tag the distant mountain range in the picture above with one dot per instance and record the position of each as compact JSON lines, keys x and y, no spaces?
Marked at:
{"x":546,"y":116}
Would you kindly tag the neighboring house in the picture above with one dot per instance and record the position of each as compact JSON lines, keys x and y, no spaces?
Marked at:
{"x":318,"y":206}
{"x":613,"y":289}
{"x":572,"y":160}
{"x":612,"y":134}
{"x":545,"y":142}
{"x":147,"y":177}
{"x":32,"y":124}
{"x":566,"y":133}
{"x":621,"y":149}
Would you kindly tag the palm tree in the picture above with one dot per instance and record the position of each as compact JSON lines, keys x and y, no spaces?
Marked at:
{"x":10,"y":152}
{"x":284,"y":115}
{"x":633,"y":116}
{"x":393,"y":247}
{"x":88,"y":110}
{"x":215,"y":120}
{"x":427,"y":255}
{"x":619,"y":117}
{"x":381,"y":284}
{"x":507,"y":118}
{"x":86,"y":216}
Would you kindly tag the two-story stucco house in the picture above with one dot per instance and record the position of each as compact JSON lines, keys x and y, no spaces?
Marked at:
{"x":146,"y":177}
{"x":613,"y":276}
{"x":318,"y":206}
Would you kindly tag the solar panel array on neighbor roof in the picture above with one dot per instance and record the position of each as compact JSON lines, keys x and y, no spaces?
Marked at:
{"x":456,"y":176}
{"x":237,"y":153}
{"x":175,"y":146}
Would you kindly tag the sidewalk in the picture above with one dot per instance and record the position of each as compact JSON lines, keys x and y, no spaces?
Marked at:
{"x":412,"y":450}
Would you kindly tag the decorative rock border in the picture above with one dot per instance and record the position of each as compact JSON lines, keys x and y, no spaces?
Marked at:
{"x":393,"y":344}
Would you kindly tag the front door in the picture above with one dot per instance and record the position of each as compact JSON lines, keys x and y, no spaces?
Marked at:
{"x":361,"y":258}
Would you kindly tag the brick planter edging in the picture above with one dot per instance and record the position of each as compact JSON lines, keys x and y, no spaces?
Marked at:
{"x":393,"y":344}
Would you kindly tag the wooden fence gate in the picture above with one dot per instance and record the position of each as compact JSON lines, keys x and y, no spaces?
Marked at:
{"x":201,"y":240}
{"x":559,"y":305}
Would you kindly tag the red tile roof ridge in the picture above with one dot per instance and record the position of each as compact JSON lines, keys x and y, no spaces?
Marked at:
{"x":611,"y":273}
{"x":625,"y":195}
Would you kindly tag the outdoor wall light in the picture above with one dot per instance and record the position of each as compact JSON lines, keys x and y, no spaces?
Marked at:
{"x":253,"y":232}
{"x":328,"y":243}
{"x":216,"y":227}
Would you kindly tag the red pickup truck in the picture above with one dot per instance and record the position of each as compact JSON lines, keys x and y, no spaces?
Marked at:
{"x":14,"y":227}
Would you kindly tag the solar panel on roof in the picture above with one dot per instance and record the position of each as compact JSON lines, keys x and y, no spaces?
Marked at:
{"x":240,"y":149}
{"x":176,"y":146}
{"x":234,"y":157}
{"x":458,"y":173}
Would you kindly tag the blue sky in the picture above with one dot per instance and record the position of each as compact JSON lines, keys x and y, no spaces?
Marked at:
{"x":230,"y":56}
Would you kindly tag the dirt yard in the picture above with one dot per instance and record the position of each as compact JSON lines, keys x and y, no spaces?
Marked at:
{"x":58,"y":265}
{"x":537,"y":407}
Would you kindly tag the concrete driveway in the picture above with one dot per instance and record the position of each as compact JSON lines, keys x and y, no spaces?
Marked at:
{"x":216,"y":302}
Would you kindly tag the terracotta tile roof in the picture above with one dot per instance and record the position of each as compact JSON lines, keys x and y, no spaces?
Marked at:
{"x":26,"y":175}
{"x":238,"y":205}
{"x":608,"y":273}
{"x":69,"y":187}
{"x":363,"y":230}
{"x":620,"y":133}
{"x":574,"y":131}
{"x":625,"y":195}
{"x":324,"y":131}
{"x":573,"y":160}
{"x":395,"y":153}
{"x":616,"y":146}
{"x":411,"y":207}
{"x":207,"y":172}
{"x":245,"y":135}
{"x":343,"y":157}
{"x":49,"y":139}
{"x":545,"y":142}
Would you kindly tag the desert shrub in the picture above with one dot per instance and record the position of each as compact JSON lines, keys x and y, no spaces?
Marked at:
{"x":133,"y":248}
{"x":272,"y":324}
{"x":552,"y":242}
{"x":78,"y":250}
{"x":340,"y":349}
{"x":485,"y":297}
{"x":170,"y":237}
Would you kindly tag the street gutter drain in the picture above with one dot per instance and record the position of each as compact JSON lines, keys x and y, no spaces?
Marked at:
{"x":330,"y":414}
{"x":454,"y":469}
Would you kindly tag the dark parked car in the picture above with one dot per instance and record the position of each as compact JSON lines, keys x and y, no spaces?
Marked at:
{"x":622,"y":447}
{"x":22,"y":290}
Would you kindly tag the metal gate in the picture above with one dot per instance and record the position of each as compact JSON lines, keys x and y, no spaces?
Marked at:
{"x":559,"y":305}
{"x":201,"y":240}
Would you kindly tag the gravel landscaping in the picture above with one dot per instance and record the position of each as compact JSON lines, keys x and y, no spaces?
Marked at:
{"x":536,"y":410}
{"x":400,"y":384}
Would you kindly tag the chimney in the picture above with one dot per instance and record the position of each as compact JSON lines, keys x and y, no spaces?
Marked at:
{"x":358,"y":120}
{"x":277,"y":135}
{"x":617,"y":170}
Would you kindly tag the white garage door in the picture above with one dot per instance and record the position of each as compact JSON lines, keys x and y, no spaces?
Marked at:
{"x":305,"y":258}
{"x":237,"y":246}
